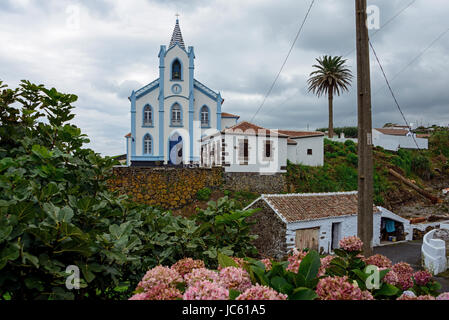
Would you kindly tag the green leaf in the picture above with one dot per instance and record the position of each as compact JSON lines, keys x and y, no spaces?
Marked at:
{"x":310,"y":265}
{"x":5,"y":231}
{"x":281,"y":285}
{"x":303,"y":294}
{"x":9,"y":253}
{"x":386,"y":290}
{"x":233,"y":294}
{"x":29,"y":257}
{"x":225,"y":261}
{"x":41,"y":151}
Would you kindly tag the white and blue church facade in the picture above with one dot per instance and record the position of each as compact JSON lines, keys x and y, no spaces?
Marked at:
{"x":170,"y":114}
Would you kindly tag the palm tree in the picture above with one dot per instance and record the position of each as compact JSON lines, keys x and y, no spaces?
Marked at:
{"x":332,"y":76}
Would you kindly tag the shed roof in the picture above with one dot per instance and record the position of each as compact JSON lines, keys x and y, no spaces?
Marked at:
{"x":393,"y":132}
{"x":248,"y":128}
{"x":312,"y":206}
{"x":229,"y":115}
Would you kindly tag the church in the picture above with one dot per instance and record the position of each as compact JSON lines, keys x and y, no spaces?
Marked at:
{"x":177,"y":120}
{"x":170,"y":114}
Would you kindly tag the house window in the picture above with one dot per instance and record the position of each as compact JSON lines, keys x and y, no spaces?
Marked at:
{"x":268,"y":149}
{"x":147,"y":144}
{"x":204,"y":116}
{"x":176,"y":115}
{"x":309,"y":152}
{"x":243,"y":150}
{"x":176,"y":70}
{"x":147,"y":116}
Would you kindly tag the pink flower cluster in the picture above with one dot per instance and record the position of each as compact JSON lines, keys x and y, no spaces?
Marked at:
{"x":443,"y":296}
{"x":159,"y":275}
{"x":235,"y":278}
{"x":206,"y":290}
{"x":405,"y":296}
{"x":404,"y":273}
{"x":259,"y":292}
{"x":325,"y":263}
{"x":391,"y":278}
{"x":422,"y":277}
{"x":338,"y":288}
{"x":186,"y":265}
{"x":351,"y":244}
{"x":378,"y":260}
{"x":294,"y":260}
{"x":199,"y":275}
{"x":267,"y":263}
{"x":240,"y":263}
{"x":159,"y":283}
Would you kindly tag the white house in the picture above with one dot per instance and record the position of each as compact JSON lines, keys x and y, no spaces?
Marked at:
{"x":246,"y":147}
{"x":317,"y":221}
{"x":394,"y":138}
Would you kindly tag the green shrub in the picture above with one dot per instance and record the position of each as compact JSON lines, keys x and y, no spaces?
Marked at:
{"x":56,"y":210}
{"x":352,"y":159}
{"x":203,"y":194}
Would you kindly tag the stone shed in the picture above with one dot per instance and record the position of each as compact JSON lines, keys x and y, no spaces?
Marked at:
{"x":314,"y":220}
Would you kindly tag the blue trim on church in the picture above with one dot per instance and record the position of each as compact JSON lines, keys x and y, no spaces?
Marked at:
{"x":191,"y":55}
{"x":161,"y":56}
{"x":133,"y":123}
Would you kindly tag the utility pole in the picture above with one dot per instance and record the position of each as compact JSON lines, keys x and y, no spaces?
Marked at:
{"x":365,"y":145}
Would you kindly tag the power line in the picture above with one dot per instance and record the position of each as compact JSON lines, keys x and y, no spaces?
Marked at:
{"x":285,"y":60}
{"x":385,"y":24}
{"x":417,"y":57}
{"x":392,"y":93}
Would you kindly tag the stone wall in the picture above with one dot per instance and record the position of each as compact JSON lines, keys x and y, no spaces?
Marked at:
{"x":271,"y":231}
{"x":167,"y":187}
{"x":254,"y":182}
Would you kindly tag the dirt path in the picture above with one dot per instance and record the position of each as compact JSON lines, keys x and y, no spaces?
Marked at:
{"x":409,"y":252}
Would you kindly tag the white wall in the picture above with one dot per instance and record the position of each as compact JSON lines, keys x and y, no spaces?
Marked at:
{"x":151,"y":99}
{"x":393,"y":143}
{"x":256,"y":149}
{"x":228,"y":122}
{"x":298,"y":153}
{"x":434,"y":253}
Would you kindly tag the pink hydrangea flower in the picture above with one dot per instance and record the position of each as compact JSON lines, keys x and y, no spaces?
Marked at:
{"x":378,"y":260}
{"x":139,"y":296}
{"x":163,"y":291}
{"x":412,"y":297}
{"x":391,"y":278}
{"x":186,"y":265}
{"x":234,"y":278}
{"x":259,"y":292}
{"x":402,"y":268}
{"x":351,"y":244}
{"x":159,"y":275}
{"x":294,"y":260}
{"x":206,"y":290}
{"x":422,"y":277}
{"x":325,"y":263}
{"x":338,"y":288}
{"x":443,"y":296}
{"x":404,"y":273}
{"x":267,"y":263}
{"x":200,"y":274}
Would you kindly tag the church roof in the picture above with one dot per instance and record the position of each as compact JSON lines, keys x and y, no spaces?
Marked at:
{"x":177,"y":37}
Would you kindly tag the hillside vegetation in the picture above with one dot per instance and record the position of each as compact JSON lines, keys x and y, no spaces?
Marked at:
{"x":429,"y":169}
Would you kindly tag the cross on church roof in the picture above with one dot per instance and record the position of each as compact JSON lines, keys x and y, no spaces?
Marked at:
{"x":177,"y":36}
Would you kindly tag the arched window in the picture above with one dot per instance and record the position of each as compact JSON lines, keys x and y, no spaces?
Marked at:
{"x":176,"y":70}
{"x":204,"y":116}
{"x":176,"y":115}
{"x":147,"y":116}
{"x":147,"y":144}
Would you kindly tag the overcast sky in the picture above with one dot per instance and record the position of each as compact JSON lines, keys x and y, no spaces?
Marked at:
{"x":100,"y":50}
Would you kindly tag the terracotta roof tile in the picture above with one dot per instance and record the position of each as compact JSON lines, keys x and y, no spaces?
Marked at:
{"x":423,"y":135}
{"x":248,"y":128}
{"x":299,"y":207}
{"x":393,"y":132}
{"x":291,"y":141}
{"x":301,"y":134}
{"x":128,"y":135}
{"x":229,"y":115}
